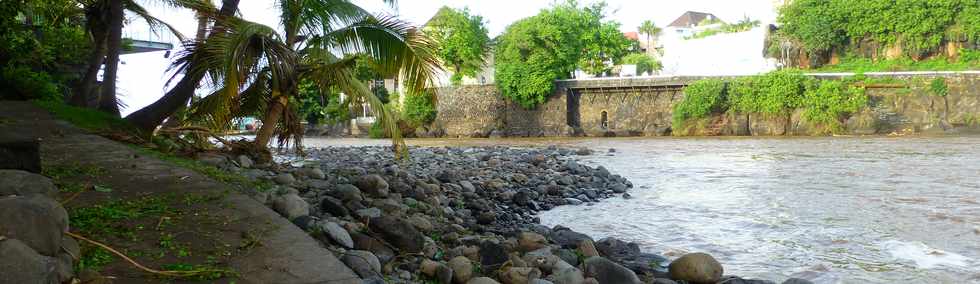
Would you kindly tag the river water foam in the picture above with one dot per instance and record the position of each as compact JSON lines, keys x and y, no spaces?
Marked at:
{"x":831,"y":210}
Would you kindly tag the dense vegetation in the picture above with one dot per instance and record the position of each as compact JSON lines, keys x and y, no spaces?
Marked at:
{"x":725,"y":28}
{"x":464,"y":42}
{"x":42,"y":44}
{"x":918,"y":28}
{"x":825,"y":103}
{"x":535,"y":51}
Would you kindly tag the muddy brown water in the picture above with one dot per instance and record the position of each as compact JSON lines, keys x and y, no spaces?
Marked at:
{"x":829,"y":209}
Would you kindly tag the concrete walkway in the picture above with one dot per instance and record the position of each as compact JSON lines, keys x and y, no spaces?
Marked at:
{"x":285,"y":254}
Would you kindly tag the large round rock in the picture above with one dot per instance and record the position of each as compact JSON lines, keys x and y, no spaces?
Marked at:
{"x":373,"y":185}
{"x":607,"y":271}
{"x":25,"y":184}
{"x":38,"y":221}
{"x":698,"y":268}
{"x":399,"y":233}
{"x":21,"y":264}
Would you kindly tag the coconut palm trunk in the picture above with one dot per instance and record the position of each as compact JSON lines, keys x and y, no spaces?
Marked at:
{"x":148,"y":118}
{"x":107,"y":98}
{"x":271,"y":119}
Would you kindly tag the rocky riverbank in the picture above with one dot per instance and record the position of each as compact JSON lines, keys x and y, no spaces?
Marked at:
{"x":462,"y":215}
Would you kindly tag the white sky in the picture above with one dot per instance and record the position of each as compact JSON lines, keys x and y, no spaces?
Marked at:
{"x":142,"y":77}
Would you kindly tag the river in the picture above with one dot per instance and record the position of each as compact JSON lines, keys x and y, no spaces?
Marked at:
{"x":831,"y":210}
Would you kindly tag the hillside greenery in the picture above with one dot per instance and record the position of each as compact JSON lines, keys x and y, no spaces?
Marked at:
{"x":918,"y":27}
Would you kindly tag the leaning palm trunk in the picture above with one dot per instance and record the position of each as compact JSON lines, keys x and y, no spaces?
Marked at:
{"x":271,"y":119}
{"x":148,"y":118}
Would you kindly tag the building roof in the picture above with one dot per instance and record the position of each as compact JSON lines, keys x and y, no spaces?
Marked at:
{"x":632,"y":35}
{"x":691,"y":19}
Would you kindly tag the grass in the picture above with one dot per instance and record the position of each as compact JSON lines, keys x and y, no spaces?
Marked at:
{"x":89,"y":119}
{"x":860,"y":65}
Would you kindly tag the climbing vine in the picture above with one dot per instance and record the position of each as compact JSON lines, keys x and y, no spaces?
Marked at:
{"x":701,"y":98}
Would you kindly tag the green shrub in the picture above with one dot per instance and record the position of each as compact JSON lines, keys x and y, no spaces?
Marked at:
{"x":22,"y":83}
{"x":938,"y":87}
{"x":771,"y":93}
{"x":377,"y":131}
{"x":419,"y":108}
{"x":701,"y":99}
{"x":829,"y":102}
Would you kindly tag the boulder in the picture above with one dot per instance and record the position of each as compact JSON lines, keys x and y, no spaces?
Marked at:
{"x":437,"y":270}
{"x":567,"y":238}
{"x":368,"y":243}
{"x":528,"y":241}
{"x":17,"y":182}
{"x":368,"y":213}
{"x":797,"y":281}
{"x":492,"y":255}
{"x":21,"y":264}
{"x":606,"y":271}
{"x":587,"y":248}
{"x":312,"y":173}
{"x":347,"y":192}
{"x":482,"y":280}
{"x":284,"y":179}
{"x":291,"y":206}
{"x":373,"y":185}
{"x":244,"y":161}
{"x":399,"y":233}
{"x":462,"y":269}
{"x":696,"y":268}
{"x":334,"y":207}
{"x":519,"y":275}
{"x":568,"y":276}
{"x":364,"y":263}
{"x":37,"y":221}
{"x":337,"y":234}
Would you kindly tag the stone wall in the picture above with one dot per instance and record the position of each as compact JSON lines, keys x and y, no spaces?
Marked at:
{"x":480,"y":111}
{"x":643,"y":107}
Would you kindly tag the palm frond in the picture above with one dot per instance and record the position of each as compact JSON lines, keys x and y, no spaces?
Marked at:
{"x":398,"y":48}
{"x":155,"y":24}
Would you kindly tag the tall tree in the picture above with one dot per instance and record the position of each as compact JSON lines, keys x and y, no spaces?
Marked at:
{"x":464,"y":41}
{"x":535,"y":51}
{"x":107,"y":98}
{"x":650,"y":30}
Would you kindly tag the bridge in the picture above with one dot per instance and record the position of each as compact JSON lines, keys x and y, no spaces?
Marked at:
{"x":143,"y":39}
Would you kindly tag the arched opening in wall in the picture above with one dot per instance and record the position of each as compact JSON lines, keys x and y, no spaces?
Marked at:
{"x":604,"y":120}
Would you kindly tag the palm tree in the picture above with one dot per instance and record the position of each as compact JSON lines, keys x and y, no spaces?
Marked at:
{"x":651,"y":30}
{"x":257,"y":70}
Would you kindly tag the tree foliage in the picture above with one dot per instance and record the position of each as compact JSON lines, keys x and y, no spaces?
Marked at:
{"x":464,"y":41}
{"x":643,"y":62}
{"x":535,"y":51}
{"x":919,"y":26}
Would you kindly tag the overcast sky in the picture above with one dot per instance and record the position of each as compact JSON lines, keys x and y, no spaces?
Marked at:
{"x":142,"y":76}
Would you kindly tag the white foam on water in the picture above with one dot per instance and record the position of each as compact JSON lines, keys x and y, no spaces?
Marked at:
{"x":924,"y":256}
